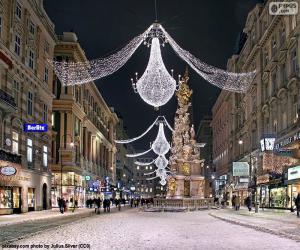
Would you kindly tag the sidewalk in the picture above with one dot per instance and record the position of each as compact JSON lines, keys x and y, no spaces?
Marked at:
{"x":40,"y":215}
{"x":279,"y":222}
{"x":11,"y":219}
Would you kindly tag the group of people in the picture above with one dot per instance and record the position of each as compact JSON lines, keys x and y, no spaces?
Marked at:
{"x":137,"y":201}
{"x":97,"y":204}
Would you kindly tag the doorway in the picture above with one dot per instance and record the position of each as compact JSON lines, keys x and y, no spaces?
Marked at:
{"x":45,"y":196}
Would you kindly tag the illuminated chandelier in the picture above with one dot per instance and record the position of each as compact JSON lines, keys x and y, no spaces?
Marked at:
{"x":156,"y":86}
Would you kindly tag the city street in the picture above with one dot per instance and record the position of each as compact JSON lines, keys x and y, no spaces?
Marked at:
{"x":134,"y":229}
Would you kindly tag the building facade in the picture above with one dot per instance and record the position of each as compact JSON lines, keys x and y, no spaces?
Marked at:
{"x":204,"y":135}
{"x":83,"y":148}
{"x":124,"y":165}
{"x":145,"y":188}
{"x":27,"y":41}
{"x":269,"y":44}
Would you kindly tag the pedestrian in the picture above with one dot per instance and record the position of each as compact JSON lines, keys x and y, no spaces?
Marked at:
{"x":297,"y":204}
{"x":97,"y":205}
{"x":135,"y":203}
{"x":104,"y":205}
{"x":60,"y":205}
{"x":131,"y":202}
{"x":64,"y":205}
{"x":233,"y":201}
{"x":108,"y":205}
{"x":248,"y":202}
{"x":237,"y":203}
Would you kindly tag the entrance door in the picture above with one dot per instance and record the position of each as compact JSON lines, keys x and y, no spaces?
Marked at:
{"x":44,"y":196}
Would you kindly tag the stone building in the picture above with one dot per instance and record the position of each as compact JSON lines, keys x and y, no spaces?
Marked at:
{"x":204,"y":135}
{"x":83,"y":147}
{"x":269,"y":44}
{"x":124,"y":165}
{"x":145,"y":188}
{"x":27,"y":40}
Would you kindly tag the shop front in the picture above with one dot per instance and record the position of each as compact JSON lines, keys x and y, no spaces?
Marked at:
{"x":272,"y":192}
{"x":70,"y":186}
{"x":293,"y":181}
{"x":22,"y":190}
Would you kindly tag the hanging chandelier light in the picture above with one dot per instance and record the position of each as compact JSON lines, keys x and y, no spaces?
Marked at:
{"x":161,"y":146}
{"x":156,"y":86}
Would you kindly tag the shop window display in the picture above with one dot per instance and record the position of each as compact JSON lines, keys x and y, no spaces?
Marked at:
{"x":5,"y":198}
{"x":278,"y":197}
{"x":16,"y":197}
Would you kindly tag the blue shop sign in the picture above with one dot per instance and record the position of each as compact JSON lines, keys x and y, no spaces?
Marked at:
{"x":35,"y":127}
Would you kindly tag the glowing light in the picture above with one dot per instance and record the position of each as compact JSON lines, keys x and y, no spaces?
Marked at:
{"x":156,"y":86}
{"x":71,"y":73}
{"x":161,"y":146}
{"x":235,"y":82}
{"x":161,"y":162}
{"x":138,"y":137}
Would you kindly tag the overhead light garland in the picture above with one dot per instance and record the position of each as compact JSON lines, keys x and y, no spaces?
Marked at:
{"x":235,"y":82}
{"x":72,"y":73}
{"x":156,"y":86}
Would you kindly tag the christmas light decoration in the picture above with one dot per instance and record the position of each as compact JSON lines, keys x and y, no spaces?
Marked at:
{"x":235,"y":82}
{"x":138,"y":154}
{"x":138,"y":137}
{"x":156,"y":86}
{"x":161,"y":146}
{"x":71,"y":73}
{"x":161,"y":162}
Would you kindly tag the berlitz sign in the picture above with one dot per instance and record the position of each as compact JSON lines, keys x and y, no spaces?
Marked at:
{"x":8,"y":171}
{"x":35,"y":127}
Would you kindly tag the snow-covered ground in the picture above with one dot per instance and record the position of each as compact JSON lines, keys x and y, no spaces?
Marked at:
{"x":132,"y":229}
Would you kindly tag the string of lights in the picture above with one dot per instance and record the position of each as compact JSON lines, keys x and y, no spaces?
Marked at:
{"x":71,"y":73}
{"x":138,"y":137}
{"x":235,"y":82}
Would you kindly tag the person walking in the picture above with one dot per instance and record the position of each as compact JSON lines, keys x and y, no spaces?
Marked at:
{"x":297,"y":204}
{"x":60,"y":205}
{"x":249,"y":203}
{"x":131,"y":202}
{"x":233,"y":201}
{"x":237,"y":203}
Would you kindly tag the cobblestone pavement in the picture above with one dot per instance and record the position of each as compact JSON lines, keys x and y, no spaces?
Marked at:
{"x":134,"y":229}
{"x":281,"y":223}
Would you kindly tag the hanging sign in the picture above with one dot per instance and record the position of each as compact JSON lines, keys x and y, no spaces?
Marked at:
{"x":240,"y":169}
{"x":294,"y":173}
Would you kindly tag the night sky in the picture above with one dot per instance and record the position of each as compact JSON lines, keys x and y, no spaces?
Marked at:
{"x":208,"y":29}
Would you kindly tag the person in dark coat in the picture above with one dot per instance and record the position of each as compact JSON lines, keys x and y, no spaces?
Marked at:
{"x":297,"y":204}
{"x":248,"y":202}
{"x":233,"y":201}
{"x":131,"y":202}
{"x":60,"y":205}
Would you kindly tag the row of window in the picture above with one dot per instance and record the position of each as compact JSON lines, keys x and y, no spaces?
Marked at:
{"x":29,"y":147}
{"x":30,"y":101}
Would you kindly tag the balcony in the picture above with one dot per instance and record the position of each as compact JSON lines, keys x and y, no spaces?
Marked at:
{"x":7,"y":102}
{"x":10,"y":157}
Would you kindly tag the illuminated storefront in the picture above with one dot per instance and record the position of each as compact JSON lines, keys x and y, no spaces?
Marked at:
{"x":22,"y":190}
{"x":72,"y":189}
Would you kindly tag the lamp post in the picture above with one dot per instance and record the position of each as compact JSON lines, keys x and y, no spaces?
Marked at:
{"x":61,"y":164}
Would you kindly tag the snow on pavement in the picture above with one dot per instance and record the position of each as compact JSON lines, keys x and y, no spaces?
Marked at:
{"x":132,"y":229}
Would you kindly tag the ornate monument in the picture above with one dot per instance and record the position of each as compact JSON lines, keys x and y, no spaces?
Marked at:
{"x":184,"y":161}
